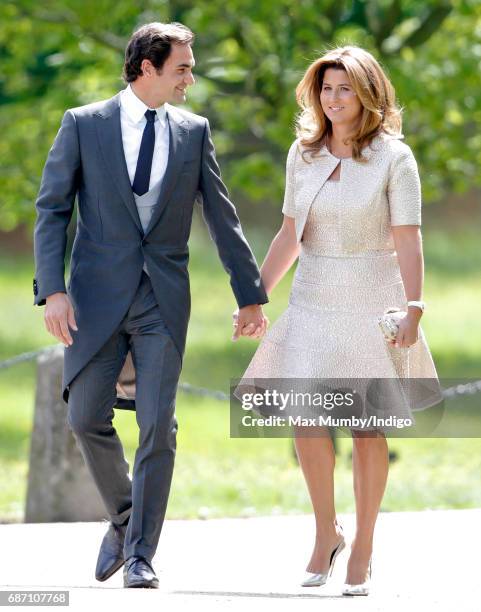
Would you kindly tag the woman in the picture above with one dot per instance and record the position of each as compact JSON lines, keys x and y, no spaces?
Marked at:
{"x":352,"y":214}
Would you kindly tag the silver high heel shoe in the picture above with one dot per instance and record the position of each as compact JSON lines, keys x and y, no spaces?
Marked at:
{"x":314,"y":580}
{"x":358,"y":589}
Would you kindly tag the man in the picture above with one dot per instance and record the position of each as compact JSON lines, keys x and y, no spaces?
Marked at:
{"x":137,"y":164}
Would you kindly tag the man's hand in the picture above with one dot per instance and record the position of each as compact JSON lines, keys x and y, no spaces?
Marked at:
{"x":58,"y":316}
{"x":249,"y":321}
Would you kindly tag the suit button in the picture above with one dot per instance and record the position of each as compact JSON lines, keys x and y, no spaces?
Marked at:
{"x":144,"y":242}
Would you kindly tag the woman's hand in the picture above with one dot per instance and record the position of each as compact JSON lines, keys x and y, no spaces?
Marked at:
{"x":250,"y":328}
{"x":408,"y":332}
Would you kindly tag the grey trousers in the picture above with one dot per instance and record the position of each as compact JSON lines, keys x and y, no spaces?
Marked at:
{"x":142,"y":500}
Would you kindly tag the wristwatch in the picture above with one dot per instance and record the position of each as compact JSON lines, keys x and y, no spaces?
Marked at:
{"x":418,"y":304}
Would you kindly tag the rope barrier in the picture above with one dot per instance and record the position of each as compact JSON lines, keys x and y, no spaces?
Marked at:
{"x":463,"y":389}
{"x":186,"y":387}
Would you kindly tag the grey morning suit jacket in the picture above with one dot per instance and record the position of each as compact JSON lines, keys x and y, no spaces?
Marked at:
{"x":110,"y":246}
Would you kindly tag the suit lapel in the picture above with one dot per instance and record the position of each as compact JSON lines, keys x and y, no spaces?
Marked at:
{"x":178,"y":136}
{"x":109,"y":135}
{"x":308,"y":185}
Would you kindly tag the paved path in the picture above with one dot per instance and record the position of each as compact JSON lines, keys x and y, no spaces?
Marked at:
{"x":422,"y":561}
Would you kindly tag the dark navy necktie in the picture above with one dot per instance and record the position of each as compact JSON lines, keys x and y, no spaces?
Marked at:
{"x":144,"y":161}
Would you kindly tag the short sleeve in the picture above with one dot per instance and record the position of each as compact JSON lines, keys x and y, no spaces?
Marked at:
{"x":404,"y":190}
{"x":288,"y":207}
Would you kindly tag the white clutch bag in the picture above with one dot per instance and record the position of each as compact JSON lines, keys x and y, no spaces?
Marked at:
{"x":389,"y":322}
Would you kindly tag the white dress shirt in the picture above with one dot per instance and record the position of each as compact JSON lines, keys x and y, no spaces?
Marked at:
{"x":132,"y":123}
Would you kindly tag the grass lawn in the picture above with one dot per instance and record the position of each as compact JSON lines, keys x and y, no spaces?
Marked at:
{"x":217,"y":475}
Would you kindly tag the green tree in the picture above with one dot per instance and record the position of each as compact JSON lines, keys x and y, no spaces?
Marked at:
{"x":250,"y":55}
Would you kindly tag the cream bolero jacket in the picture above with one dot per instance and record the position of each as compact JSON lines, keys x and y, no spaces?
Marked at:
{"x":376,"y":195}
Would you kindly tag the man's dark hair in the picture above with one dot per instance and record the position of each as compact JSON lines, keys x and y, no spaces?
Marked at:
{"x":153,"y":41}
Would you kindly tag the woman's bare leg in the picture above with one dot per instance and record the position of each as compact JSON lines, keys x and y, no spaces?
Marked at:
{"x":370,"y":462}
{"x":317,"y":460}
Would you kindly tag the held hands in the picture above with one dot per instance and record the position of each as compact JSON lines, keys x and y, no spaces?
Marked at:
{"x":408,"y":332}
{"x":58,"y":316}
{"x":249,"y":321}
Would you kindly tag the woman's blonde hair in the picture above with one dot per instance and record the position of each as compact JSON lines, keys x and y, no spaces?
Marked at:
{"x":376,"y":94}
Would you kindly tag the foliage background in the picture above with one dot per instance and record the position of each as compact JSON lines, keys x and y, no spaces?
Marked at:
{"x":250,"y":54}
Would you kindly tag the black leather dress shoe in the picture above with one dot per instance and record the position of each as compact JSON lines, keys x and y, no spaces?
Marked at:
{"x":139,"y":573}
{"x":111,"y":554}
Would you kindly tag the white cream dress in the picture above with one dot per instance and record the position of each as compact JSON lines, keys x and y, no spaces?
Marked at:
{"x":344,"y":281}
